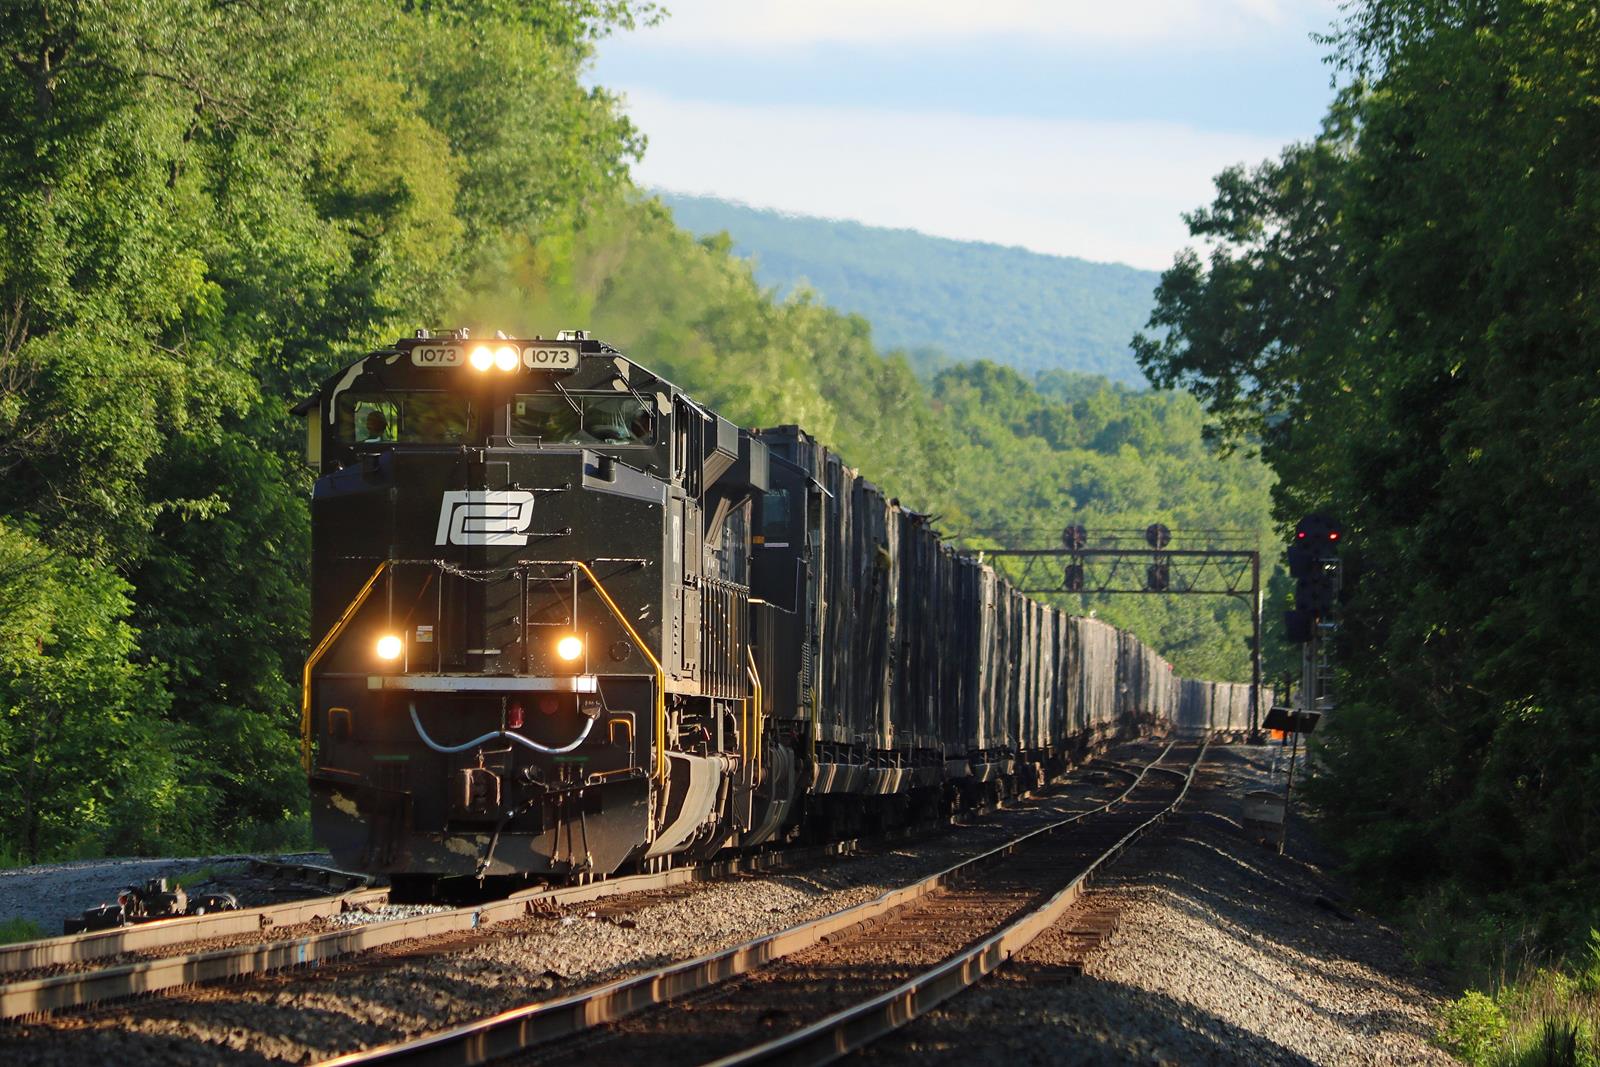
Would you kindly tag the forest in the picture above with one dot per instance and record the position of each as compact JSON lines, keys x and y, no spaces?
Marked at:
{"x":206,"y":207}
{"x":1401,"y":315}
{"x":945,"y":300}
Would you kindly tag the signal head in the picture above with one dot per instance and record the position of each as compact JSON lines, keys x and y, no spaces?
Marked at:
{"x":1321,"y":534}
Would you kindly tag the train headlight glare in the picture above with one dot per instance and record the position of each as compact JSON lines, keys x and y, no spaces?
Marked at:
{"x":569,"y":648}
{"x":389,"y":647}
{"x":506,"y":357}
{"x":482,"y":357}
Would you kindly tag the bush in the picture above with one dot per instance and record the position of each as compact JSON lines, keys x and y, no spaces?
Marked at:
{"x":1589,"y":975}
{"x":1547,"y":1017}
{"x":1474,"y":1029}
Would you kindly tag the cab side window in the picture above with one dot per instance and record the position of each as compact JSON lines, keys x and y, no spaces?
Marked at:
{"x":775,"y":517}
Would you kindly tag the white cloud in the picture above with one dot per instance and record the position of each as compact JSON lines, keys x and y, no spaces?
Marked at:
{"x":785,"y":23}
{"x":1107,"y":191}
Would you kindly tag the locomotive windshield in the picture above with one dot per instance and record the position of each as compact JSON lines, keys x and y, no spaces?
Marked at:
{"x":390,"y":417}
{"x":582,"y":418}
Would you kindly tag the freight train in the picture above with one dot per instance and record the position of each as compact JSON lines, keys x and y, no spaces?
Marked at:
{"x":568,"y":622}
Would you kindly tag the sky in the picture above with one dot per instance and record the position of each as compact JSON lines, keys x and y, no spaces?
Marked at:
{"x":1067,"y":127}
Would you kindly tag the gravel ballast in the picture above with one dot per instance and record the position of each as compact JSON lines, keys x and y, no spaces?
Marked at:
{"x":1226,"y":953}
{"x":414,"y":988}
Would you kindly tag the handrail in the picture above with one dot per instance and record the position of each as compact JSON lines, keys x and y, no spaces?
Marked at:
{"x":661,"y":674}
{"x":752,"y":705}
{"x":316,"y":656}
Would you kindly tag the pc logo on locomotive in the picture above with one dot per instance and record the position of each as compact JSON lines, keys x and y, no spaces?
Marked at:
{"x":485,"y":517}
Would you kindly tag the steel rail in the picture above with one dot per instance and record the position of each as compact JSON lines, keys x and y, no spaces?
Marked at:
{"x":845,"y":1031}
{"x":74,"y":989}
{"x":158,"y":933}
{"x":518,"y":1029}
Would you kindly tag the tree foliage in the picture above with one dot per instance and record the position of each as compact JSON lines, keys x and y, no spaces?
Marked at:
{"x":1402,"y":314}
{"x":81,"y":752}
{"x":207,"y":206}
{"x":203,"y":207}
{"x":1083,"y":449}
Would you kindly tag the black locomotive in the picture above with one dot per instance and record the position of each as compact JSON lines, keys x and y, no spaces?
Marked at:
{"x":569,"y":621}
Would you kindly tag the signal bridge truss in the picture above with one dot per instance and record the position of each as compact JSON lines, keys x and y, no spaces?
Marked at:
{"x":1076,"y":569}
{"x":1189,"y":572}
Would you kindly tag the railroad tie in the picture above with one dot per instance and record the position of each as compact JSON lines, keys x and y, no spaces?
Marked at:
{"x":1068,"y":947}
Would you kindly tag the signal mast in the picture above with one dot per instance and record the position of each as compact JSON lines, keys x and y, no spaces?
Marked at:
{"x":1314,"y":564}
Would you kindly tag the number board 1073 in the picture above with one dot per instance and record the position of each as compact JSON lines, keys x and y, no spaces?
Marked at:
{"x":542,"y":355}
{"x":537,"y":355}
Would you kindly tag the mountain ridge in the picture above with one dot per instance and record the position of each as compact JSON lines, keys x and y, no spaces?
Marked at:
{"x":931,"y":296}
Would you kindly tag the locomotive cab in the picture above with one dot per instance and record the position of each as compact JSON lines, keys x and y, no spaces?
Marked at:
{"x":530,"y":615}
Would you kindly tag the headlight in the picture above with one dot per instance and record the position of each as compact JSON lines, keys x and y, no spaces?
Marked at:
{"x":569,"y":648}
{"x":389,"y":647}
{"x":506,"y":357}
{"x":482,"y":357}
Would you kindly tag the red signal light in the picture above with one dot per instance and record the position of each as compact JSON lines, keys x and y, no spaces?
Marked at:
{"x":1333,"y":535}
{"x":1299,"y":535}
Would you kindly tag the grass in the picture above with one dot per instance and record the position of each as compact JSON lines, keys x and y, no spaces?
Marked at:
{"x":201,"y":875}
{"x":1545,"y":1017}
{"x":13,"y":930}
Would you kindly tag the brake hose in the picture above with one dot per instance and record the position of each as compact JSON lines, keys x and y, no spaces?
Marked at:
{"x":548,"y":750}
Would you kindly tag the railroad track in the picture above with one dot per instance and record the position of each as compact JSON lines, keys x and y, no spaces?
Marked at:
{"x":165,"y":956}
{"x":99,"y":967}
{"x":55,"y":974}
{"x":341,"y":891}
{"x":78,"y":950}
{"x":815,"y":991}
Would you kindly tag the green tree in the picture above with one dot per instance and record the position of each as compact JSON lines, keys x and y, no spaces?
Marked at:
{"x":80,"y":749}
{"x":1399,"y":314}
{"x":206,"y":207}
{"x":203,"y":208}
